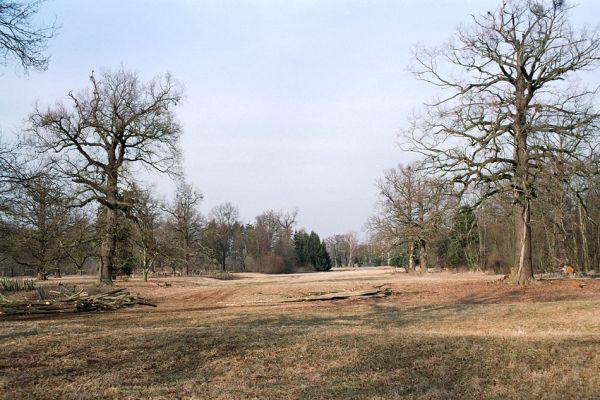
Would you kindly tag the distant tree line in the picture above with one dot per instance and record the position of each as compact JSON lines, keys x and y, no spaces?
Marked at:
{"x":49,"y":225}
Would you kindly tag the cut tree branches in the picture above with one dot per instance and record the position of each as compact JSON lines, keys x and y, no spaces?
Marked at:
{"x":75,"y":302}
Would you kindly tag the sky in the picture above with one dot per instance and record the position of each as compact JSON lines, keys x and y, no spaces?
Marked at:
{"x":288,"y":104}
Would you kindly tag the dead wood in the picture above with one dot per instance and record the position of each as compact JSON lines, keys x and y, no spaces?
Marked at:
{"x":377,"y":292}
{"x":73,"y":302}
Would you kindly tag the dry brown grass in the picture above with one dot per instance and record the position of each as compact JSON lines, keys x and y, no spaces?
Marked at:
{"x":440,"y":336}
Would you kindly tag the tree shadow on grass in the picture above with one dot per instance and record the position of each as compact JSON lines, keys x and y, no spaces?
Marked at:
{"x":461,"y":367}
{"x":311,"y":354}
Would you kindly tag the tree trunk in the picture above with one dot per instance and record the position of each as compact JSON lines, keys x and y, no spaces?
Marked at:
{"x":411,"y":257}
{"x":423,"y":255}
{"x":107,"y":249}
{"x":145,"y":268}
{"x":585,"y":258}
{"x":482,"y":237}
{"x":41,"y":276}
{"x":523,"y":234}
{"x":186,"y":256}
{"x":522,"y":177}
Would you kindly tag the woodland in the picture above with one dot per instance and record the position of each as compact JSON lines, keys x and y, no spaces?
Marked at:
{"x":506,"y":180}
{"x":475,"y":276}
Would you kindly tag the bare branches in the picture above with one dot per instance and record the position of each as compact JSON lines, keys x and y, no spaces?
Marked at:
{"x":503,"y":78}
{"x":411,"y":206}
{"x":508,"y":105}
{"x":117,"y":123}
{"x":20,"y":38}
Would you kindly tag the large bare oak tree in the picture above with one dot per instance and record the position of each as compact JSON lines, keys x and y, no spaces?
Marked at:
{"x":509,"y":105}
{"x":105,"y":131}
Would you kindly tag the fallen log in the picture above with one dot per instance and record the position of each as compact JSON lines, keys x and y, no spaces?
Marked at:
{"x":378,"y":292}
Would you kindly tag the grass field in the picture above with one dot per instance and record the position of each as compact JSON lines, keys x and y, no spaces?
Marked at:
{"x":439,"y":336}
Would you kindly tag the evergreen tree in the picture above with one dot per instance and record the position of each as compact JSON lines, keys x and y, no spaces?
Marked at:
{"x":310,"y":250}
{"x":323,"y":261}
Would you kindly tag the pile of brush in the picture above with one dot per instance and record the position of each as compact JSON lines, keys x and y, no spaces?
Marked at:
{"x":68,"y":302}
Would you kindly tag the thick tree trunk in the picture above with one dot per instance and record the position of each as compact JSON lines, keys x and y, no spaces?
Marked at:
{"x":41,"y":276}
{"x":423,"y":255}
{"x":186,"y":256}
{"x":523,"y":233}
{"x":107,"y":249}
{"x":145,"y":263}
{"x":522,"y":178}
{"x":411,"y":256}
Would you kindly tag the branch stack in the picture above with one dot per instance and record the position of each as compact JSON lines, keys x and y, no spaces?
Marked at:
{"x":77,"y":302}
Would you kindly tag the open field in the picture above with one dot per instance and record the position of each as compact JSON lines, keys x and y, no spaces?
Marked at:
{"x":439,"y":336}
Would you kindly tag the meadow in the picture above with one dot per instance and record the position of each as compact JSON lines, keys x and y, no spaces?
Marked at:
{"x":438,"y":336}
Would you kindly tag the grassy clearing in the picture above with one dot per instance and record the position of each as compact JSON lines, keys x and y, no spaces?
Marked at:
{"x":392,"y":348}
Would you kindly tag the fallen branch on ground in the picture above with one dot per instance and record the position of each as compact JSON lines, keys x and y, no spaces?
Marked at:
{"x":75,"y":302}
{"x":378,"y":292}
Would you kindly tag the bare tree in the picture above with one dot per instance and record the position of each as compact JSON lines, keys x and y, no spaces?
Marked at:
{"x":223,"y":222}
{"x":508,"y":105}
{"x":276,"y":229}
{"x":118,"y":123}
{"x":351,"y":243}
{"x":411,"y":208}
{"x":145,"y":213}
{"x":186,"y":222}
{"x":336,"y":247}
{"x":79,"y":244}
{"x":20,"y":38}
{"x":40,"y":213}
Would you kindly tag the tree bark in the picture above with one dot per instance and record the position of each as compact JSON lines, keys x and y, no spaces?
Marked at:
{"x":186,"y":255}
{"x":423,"y":255}
{"x":585,"y":258}
{"x":522,"y":191}
{"x":411,"y":257}
{"x":108,"y":247}
{"x":523,"y":234}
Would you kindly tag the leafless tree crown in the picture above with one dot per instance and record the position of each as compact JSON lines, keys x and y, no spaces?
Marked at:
{"x":20,"y":38}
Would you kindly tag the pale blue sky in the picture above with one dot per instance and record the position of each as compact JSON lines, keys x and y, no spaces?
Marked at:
{"x":288,"y":103}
